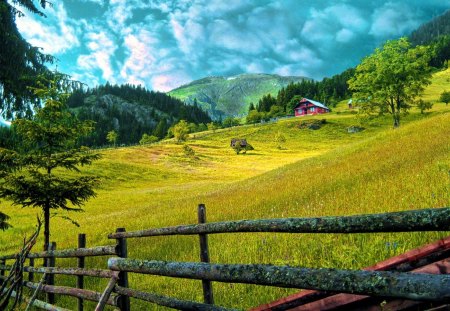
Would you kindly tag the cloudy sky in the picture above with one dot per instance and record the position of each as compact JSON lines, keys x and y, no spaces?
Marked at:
{"x":162,"y":44}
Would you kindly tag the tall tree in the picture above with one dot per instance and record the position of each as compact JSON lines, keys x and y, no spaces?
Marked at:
{"x":20,"y":63}
{"x":34,"y":174}
{"x":391,"y":78}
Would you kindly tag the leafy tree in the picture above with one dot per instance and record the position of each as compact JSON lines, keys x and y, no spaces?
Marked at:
{"x":34,"y":174}
{"x":112,"y":137}
{"x":180,"y":131}
{"x":230,"y":122}
{"x":392,"y":77}
{"x":254,"y":116}
{"x":445,"y":97}
{"x":148,"y":139}
{"x":20,"y":62}
{"x":251,"y":107}
{"x":424,"y":105}
{"x":212,"y":126}
{"x":3,"y":224}
{"x":202,"y":127}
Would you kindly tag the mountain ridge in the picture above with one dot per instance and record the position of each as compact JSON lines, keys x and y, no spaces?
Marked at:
{"x":224,"y":96}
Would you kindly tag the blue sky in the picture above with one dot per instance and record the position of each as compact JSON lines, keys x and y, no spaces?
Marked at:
{"x":164,"y":44}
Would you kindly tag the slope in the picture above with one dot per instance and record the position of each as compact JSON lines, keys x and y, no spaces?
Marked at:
{"x":230,"y":96}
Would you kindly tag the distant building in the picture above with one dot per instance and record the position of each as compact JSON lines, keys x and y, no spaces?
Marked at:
{"x":309,"y":107}
{"x":350,"y":104}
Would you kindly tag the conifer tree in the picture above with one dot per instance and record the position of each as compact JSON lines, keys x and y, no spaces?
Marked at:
{"x":34,"y":174}
{"x":20,"y":62}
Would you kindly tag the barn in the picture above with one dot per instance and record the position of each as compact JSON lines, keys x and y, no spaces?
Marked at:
{"x":309,"y":107}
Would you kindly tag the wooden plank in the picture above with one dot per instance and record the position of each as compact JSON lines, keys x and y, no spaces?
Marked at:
{"x":169,"y":302}
{"x":306,"y":296}
{"x":67,"y":271}
{"x":424,"y":287}
{"x":107,"y":292}
{"x":74,"y":292}
{"x":437,"y":219}
{"x":67,"y":253}
{"x":80,"y":265}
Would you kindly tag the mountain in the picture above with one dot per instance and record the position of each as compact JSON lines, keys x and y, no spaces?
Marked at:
{"x":131,"y":111}
{"x":432,"y":30}
{"x":231,"y":96}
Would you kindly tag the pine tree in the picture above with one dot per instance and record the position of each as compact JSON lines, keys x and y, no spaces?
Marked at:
{"x":33,"y":174}
{"x":20,"y":62}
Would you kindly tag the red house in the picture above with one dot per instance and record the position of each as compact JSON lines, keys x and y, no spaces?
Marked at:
{"x":309,"y":107}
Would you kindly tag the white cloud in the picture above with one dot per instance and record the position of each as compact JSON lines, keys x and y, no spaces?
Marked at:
{"x":392,"y":20}
{"x":101,"y":48}
{"x":57,"y":35}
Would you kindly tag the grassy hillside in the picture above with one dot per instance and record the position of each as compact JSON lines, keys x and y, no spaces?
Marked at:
{"x":322,"y":172}
{"x":229,"y":96}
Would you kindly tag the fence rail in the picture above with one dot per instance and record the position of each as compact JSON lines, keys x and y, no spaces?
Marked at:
{"x":423,"y":287}
{"x":413,"y":286}
{"x":437,"y":219}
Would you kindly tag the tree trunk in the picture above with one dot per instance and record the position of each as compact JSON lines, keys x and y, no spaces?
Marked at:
{"x":46,"y":231}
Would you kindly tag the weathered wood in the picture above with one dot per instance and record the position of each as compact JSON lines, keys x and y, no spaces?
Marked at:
{"x":2,"y":272}
{"x":168,"y":301}
{"x":68,"y":271}
{"x":80,"y":265}
{"x":41,"y":304}
{"x":424,"y":287}
{"x":122,"y":251}
{"x":36,"y":292}
{"x":73,"y":252}
{"x":437,"y":219}
{"x":204,"y":256}
{"x":74,"y":292}
{"x":107,"y":292}
{"x":30,"y":274}
{"x":51,"y":277}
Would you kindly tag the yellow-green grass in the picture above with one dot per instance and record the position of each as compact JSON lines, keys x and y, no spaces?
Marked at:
{"x":323,"y":172}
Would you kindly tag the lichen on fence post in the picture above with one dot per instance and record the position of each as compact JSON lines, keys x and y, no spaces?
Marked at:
{"x":204,"y":255}
{"x":51,"y":276}
{"x":121,"y":250}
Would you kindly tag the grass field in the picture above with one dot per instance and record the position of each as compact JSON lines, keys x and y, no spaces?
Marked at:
{"x":315,"y":173}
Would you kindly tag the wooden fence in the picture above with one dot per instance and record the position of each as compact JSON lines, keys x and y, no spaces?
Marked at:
{"x":419,"y":287}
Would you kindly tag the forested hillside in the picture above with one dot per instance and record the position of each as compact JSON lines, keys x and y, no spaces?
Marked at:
{"x":130,"y":111}
{"x":231,"y":96}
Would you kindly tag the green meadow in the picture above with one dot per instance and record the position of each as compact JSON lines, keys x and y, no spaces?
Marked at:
{"x":315,"y":173}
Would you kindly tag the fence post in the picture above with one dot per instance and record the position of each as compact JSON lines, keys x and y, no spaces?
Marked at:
{"x":80,"y":260}
{"x":51,"y":276}
{"x":31,"y":274}
{"x":124,"y":301}
{"x":204,"y":255}
{"x":2,"y":272}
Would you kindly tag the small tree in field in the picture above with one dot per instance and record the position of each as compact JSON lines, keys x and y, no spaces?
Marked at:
{"x":280,"y":139}
{"x":148,"y":139}
{"x":180,"y":131}
{"x":391,"y":78}
{"x":3,"y":224}
{"x":424,"y":105}
{"x":111,"y":137}
{"x":445,"y":97}
{"x":35,"y":173}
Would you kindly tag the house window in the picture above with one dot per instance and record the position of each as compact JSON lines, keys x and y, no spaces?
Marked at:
{"x":312,"y":109}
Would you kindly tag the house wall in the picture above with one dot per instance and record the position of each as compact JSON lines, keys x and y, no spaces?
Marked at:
{"x":311,"y":110}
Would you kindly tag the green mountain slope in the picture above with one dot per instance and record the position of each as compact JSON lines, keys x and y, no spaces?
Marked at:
{"x":231,"y":96}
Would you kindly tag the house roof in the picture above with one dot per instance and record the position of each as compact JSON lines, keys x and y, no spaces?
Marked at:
{"x":315,"y":103}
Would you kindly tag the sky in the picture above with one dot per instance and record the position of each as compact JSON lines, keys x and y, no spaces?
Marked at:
{"x":164,"y":44}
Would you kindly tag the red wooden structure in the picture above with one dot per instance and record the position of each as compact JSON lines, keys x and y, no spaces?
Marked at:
{"x":432,"y":258}
{"x":309,"y":107}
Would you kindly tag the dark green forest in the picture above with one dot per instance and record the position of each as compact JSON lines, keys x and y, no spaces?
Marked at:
{"x":130,"y":111}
